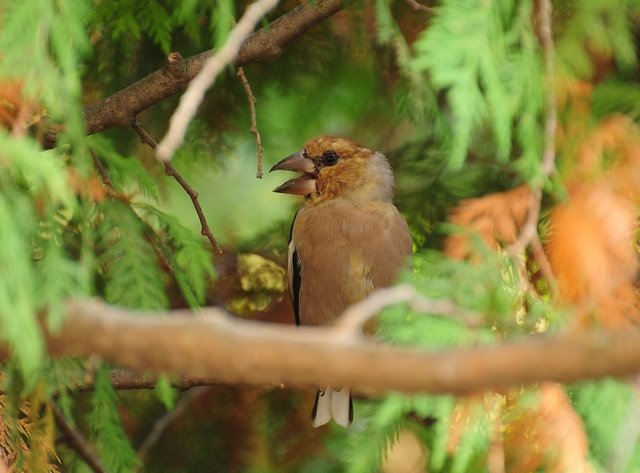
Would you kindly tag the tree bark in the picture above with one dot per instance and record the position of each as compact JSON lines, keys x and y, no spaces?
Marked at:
{"x":212,"y":344}
{"x":121,"y":108}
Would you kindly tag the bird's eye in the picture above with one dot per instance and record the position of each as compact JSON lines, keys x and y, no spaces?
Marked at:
{"x":329,"y":158}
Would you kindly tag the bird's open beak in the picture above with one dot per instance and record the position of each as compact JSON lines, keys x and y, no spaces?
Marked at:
{"x":304,"y":184}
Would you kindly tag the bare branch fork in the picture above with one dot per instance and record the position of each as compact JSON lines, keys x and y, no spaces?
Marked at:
{"x":356,"y":316}
{"x":213,"y":344}
{"x":529,"y":233}
{"x":169,"y":170}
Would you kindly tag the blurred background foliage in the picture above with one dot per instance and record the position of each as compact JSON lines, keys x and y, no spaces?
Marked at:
{"x":454,"y":92}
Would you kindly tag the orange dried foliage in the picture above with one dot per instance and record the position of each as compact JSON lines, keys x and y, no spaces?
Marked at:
{"x":496,"y":218}
{"x":16,"y":113}
{"x":547,"y":436}
{"x":90,"y":187}
{"x":591,"y":248}
{"x":592,"y":242}
{"x":526,"y":436}
{"x":10,"y":103}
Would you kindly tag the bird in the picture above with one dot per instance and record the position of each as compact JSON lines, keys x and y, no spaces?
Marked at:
{"x":347,"y":240}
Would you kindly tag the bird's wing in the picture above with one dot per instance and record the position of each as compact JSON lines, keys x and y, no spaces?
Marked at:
{"x":295,"y":274}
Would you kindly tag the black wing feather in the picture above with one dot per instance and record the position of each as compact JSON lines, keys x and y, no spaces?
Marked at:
{"x":296,"y":276}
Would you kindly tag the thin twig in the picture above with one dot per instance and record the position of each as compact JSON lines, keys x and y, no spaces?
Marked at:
{"x":200,"y":84}
{"x":104,"y":174}
{"x":357,"y":315}
{"x":165,"y":421}
{"x":110,"y":189}
{"x":169,"y":170}
{"x":545,"y":267}
{"x":529,"y":230}
{"x":545,"y":11}
{"x":254,"y":122}
{"x":418,"y":6}
{"x":77,"y":441}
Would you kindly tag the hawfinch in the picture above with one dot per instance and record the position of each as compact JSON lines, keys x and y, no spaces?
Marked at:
{"x":347,"y":240}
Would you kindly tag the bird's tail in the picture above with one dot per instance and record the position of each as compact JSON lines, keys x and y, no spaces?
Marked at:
{"x":332,"y":404}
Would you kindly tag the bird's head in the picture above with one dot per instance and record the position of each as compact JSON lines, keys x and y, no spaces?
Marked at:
{"x":333,"y":167}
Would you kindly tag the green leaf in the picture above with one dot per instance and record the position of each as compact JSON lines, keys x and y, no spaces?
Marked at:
{"x":608,"y":433}
{"x":156,"y":21}
{"x":617,"y":97}
{"x":386,"y":25}
{"x":367,"y":445}
{"x":165,"y":392}
{"x":58,"y":277}
{"x":474,"y":443}
{"x":191,"y":262}
{"x":108,"y":435}
{"x":126,"y":172}
{"x":603,"y":27}
{"x":53,"y":36}
{"x":128,"y":260}
{"x":40,"y":172}
{"x":222,"y":21}
{"x":475,"y":52}
{"x":18,"y":317}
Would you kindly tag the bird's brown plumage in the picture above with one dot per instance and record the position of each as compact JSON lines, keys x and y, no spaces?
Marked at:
{"x":349,"y":238}
{"x":346,"y":250}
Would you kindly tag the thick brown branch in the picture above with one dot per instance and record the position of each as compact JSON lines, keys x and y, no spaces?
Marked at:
{"x":169,"y":170}
{"x":127,"y":379}
{"x":212,"y":343}
{"x":121,"y":108}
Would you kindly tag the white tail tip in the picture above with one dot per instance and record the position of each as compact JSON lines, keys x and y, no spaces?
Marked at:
{"x":332,"y":404}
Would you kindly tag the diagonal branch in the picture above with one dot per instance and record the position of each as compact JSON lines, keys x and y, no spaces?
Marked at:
{"x":167,"y":419}
{"x":214,"y":65}
{"x":77,"y":441}
{"x":169,"y":170}
{"x":121,"y":108}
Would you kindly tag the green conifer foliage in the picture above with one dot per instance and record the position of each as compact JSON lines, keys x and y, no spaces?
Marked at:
{"x":457,"y":93}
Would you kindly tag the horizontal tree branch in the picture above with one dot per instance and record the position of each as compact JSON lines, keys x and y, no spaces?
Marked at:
{"x":127,"y":379}
{"x":211,"y":344}
{"x":121,"y":108}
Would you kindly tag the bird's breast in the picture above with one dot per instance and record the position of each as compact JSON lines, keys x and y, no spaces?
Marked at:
{"x":346,"y":250}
